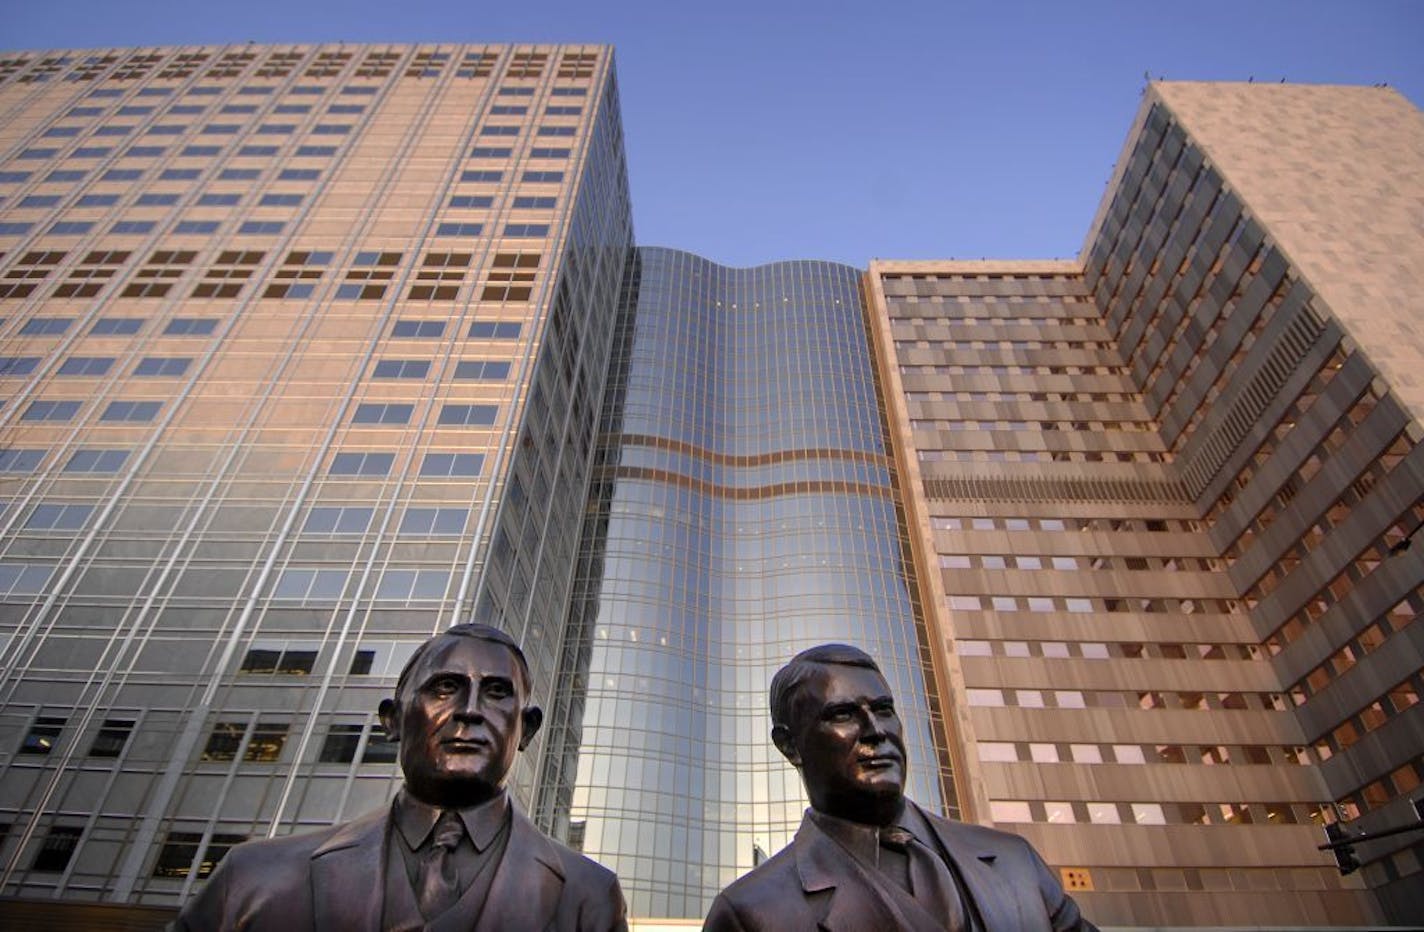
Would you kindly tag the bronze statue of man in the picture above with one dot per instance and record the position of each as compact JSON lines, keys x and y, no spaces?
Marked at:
{"x":450,"y":852}
{"x":866,"y":857}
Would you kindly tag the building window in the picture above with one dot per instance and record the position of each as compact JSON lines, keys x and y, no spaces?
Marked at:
{"x":116,"y":327}
{"x":134,"y":411}
{"x":156,"y":277}
{"x":383,"y":413}
{"x":298,"y":274}
{"x":49,"y":516}
{"x":544,"y":176}
{"x":468,"y":415}
{"x":401,"y":369}
{"x":361,"y":464}
{"x":289,"y":662}
{"x":16,"y":366}
{"x":458,"y":229}
{"x":111,"y":738}
{"x":495,"y":330}
{"x":175,"y":858}
{"x":418,"y":328}
{"x":265,"y":745}
{"x":43,"y":735}
{"x":328,"y":519}
{"x":24,"y":578}
{"x":86,"y":366}
{"x":535,"y":203}
{"x":90,"y":460}
{"x":412,"y":585}
{"x":157,"y":200}
{"x":433,"y":522}
{"x":45,"y":326}
{"x":452,"y":464}
{"x":340,"y":744}
{"x":20,"y":461}
{"x":368,"y":281}
{"x":57,"y":849}
{"x":162,"y":366}
{"x":526,"y":230}
{"x":190,"y":327}
{"x":482,"y":370}
{"x":43,"y":410}
{"x":481,"y":176}
{"x":310,"y":585}
{"x":471,"y":201}
{"x":229,"y":274}
{"x":219,"y":200}
{"x":544,"y":152}
{"x":491,"y":152}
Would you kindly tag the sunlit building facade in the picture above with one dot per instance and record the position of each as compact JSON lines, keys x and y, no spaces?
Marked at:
{"x":311,"y":351}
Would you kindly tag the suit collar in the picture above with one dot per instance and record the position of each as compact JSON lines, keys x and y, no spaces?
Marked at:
{"x":990,"y":896}
{"x":824,"y":865}
{"x":347,"y":872}
{"x":348,"y":893}
{"x":527,"y":884}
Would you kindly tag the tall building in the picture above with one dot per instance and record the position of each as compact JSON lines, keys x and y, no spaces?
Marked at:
{"x":310,"y":351}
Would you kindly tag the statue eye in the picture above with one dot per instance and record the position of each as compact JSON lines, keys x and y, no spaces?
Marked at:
{"x":498,"y":689}
{"x":443,"y":686}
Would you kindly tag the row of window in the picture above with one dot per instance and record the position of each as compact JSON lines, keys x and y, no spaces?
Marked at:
{"x":1111,"y":650}
{"x":122,"y":410}
{"x":987,"y":561}
{"x":1089,"y":606}
{"x":1210,"y":755}
{"x":1006,"y":811}
{"x":90,"y":366}
{"x":160,"y":199}
{"x":192,"y":151}
{"x":248,"y":228}
{"x":375,"y":464}
{"x":1118,"y":699}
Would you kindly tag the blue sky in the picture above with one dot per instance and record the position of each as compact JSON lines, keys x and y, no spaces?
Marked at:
{"x":834,"y":130}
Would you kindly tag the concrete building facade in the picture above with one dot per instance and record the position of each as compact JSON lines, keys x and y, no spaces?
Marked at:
{"x":311,"y":351}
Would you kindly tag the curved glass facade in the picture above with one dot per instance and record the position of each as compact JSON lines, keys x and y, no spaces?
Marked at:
{"x":744,"y":509}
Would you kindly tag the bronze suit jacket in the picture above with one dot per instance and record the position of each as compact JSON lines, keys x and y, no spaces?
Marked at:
{"x":814,"y":883}
{"x":335,"y":880}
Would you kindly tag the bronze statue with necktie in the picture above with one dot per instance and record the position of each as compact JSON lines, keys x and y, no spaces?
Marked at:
{"x":451,"y":852}
{"x":866,"y":857}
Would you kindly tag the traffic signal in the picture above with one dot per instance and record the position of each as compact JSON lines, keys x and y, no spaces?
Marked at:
{"x":1344,"y":854}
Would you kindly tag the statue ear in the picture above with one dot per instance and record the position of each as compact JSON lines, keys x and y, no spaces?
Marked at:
{"x":390,"y":718}
{"x":532,"y":717}
{"x":781,"y":737}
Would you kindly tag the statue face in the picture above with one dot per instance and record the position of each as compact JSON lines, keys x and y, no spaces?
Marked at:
{"x":848,"y":742}
{"x":460,"y":720}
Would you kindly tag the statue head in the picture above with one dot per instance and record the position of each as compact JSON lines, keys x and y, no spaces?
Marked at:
{"x":834,"y":719}
{"x":461,"y":712}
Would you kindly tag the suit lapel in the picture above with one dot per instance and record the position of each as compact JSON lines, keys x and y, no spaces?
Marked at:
{"x":837,"y":889}
{"x":527,"y":884}
{"x":348,"y":875}
{"x":992,"y":897}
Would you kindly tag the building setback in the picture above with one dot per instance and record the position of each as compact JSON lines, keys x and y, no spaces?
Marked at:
{"x":310,"y":351}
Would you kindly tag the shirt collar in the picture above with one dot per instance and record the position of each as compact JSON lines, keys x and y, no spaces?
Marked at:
{"x":416,"y":819}
{"x":863,"y":840}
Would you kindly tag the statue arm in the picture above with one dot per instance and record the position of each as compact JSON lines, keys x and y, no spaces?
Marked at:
{"x":722,"y":917}
{"x":605,"y":911}
{"x":206,"y":911}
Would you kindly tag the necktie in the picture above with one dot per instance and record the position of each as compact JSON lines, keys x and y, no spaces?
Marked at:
{"x":931,"y":884}
{"x":438,"y":884}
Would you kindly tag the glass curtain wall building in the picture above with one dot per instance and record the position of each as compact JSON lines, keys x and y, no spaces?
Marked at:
{"x":744,"y":509}
{"x":307,"y":352}
{"x":303,"y":353}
